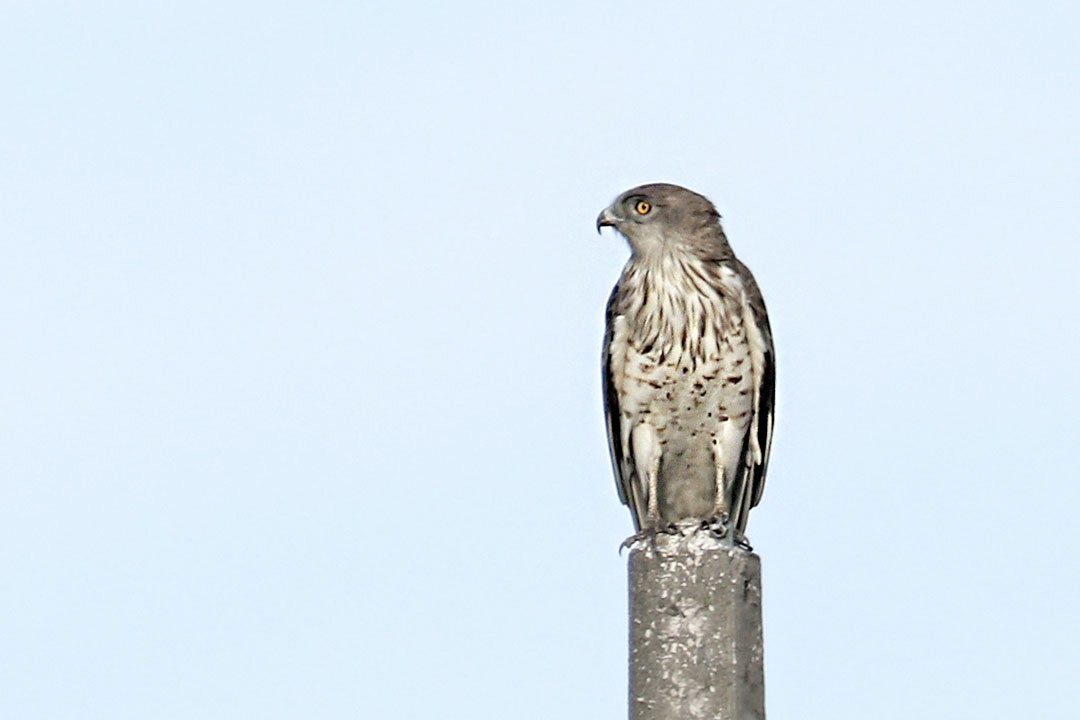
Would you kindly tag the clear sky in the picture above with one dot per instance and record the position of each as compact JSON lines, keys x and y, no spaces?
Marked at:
{"x":300,"y":316}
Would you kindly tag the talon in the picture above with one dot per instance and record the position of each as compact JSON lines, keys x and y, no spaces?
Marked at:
{"x":635,"y":538}
{"x":742,"y":542}
{"x":717,"y":526}
{"x":650,"y":534}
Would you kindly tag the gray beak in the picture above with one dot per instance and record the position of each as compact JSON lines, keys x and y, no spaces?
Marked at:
{"x":605,"y":219}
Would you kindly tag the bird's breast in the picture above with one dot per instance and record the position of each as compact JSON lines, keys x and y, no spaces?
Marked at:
{"x":698,"y":380}
{"x":679,"y":353}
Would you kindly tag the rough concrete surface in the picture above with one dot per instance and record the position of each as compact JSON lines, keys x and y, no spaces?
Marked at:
{"x":695,"y":630}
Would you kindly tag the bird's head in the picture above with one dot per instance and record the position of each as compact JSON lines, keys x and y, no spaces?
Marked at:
{"x":660,"y":216}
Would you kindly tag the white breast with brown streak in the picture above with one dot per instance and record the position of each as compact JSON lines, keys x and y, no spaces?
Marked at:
{"x":681,"y":368}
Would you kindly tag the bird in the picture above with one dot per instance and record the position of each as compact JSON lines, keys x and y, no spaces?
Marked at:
{"x":689,"y":369}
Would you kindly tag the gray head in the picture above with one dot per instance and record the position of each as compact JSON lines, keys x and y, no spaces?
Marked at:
{"x":660,"y":216}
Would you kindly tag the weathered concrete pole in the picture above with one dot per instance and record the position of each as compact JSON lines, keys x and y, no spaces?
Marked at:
{"x":695,"y":630}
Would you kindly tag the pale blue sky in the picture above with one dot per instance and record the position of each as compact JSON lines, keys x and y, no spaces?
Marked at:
{"x":301,"y":314}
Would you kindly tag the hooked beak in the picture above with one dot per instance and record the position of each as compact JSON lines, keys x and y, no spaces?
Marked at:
{"x":605,"y":219}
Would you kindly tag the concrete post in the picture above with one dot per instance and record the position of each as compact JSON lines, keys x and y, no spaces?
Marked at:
{"x":695,"y":630}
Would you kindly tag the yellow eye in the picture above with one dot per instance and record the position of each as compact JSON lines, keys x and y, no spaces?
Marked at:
{"x":642,"y":207}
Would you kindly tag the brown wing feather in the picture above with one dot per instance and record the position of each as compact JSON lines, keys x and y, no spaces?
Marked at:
{"x":621,"y":465}
{"x":764,"y":410}
{"x":765,"y":380}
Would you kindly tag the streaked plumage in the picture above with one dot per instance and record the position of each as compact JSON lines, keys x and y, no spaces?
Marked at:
{"x":688,"y":367}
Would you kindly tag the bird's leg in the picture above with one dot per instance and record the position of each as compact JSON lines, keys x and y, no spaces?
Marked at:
{"x":653,"y":524}
{"x":652,"y":512}
{"x":652,"y":507}
{"x":718,"y":523}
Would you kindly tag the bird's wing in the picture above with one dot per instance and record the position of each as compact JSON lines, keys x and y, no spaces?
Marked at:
{"x":763,"y":359}
{"x":621,"y":462}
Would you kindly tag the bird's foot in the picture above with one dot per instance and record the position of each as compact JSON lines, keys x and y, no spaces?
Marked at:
{"x":649,"y":534}
{"x":717,"y":526}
